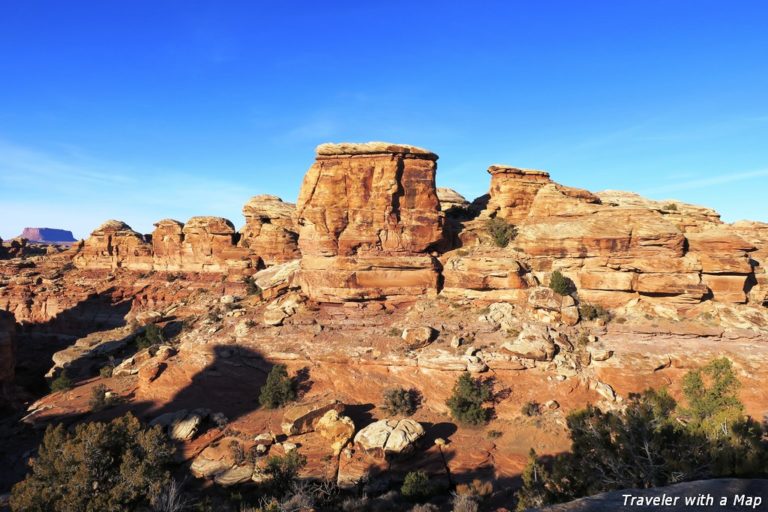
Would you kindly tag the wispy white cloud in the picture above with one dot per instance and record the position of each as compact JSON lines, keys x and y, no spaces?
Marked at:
{"x":709,"y":181}
{"x":78,"y":192}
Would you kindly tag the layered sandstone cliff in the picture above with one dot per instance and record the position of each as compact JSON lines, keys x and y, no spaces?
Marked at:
{"x":368,"y":215}
{"x":615,"y":246}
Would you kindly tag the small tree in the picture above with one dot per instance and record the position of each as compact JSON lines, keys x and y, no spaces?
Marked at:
{"x":501,"y":231}
{"x":712,"y":396}
{"x":101,"y":466}
{"x":561,"y":284}
{"x":416,"y":486}
{"x":61,"y":383}
{"x":401,"y":401}
{"x":466,"y":402}
{"x":534,"y":492}
{"x":279,"y":388}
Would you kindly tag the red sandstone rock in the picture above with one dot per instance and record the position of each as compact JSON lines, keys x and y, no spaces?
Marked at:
{"x":114,"y":245}
{"x":367,"y":213}
{"x":270,"y":232}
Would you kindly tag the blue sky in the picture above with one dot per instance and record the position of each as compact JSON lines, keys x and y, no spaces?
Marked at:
{"x":144,"y":110}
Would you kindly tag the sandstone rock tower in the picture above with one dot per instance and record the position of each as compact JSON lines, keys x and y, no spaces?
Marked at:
{"x":368,"y":215}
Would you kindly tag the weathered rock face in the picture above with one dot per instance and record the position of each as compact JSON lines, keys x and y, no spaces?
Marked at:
{"x":7,"y":354}
{"x":615,"y":246}
{"x":209,"y":246}
{"x":166,"y":244}
{"x":203,"y":244}
{"x":115,"y":245}
{"x":270,"y":231}
{"x":367,"y":214}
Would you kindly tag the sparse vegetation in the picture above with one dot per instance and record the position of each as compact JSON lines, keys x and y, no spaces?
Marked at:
{"x":99,"y":399}
{"x":283,"y":471}
{"x":395,"y":332}
{"x":654,"y":442}
{"x":531,"y":408}
{"x":151,"y":336}
{"x":100,"y":466}
{"x":466,"y":401}
{"x":401,"y":402}
{"x":416,"y":486}
{"x":670,"y":207}
{"x":593,"y":312}
{"x":533,"y":493}
{"x":61,"y":383}
{"x":561,"y":284}
{"x":501,"y":231}
{"x":495,"y":434}
{"x":251,"y":287}
{"x":279,"y":388}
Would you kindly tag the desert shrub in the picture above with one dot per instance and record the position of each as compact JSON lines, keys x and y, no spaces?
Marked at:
{"x":501,"y":231}
{"x":479,"y":489}
{"x":169,"y":498}
{"x":401,"y":401}
{"x":464,"y":503}
{"x":251,"y":288}
{"x":416,"y":486}
{"x":151,"y":336}
{"x":531,"y":408}
{"x":495,"y":434}
{"x":533,"y":493}
{"x":106,"y":371}
{"x":237,"y":451}
{"x":99,"y":399}
{"x":279,"y":388}
{"x":425,"y":507}
{"x":283,"y":471}
{"x":61,"y":383}
{"x":593,"y":312}
{"x":561,"y":284}
{"x":466,"y":401}
{"x":112,"y":466}
{"x":671,"y":207}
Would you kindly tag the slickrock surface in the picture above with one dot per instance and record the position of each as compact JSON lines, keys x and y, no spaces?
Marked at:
{"x":367,"y":215}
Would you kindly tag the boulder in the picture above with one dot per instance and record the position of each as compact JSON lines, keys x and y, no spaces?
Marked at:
{"x":303,"y":418}
{"x":390,"y":437}
{"x":335,"y":428}
{"x":534,"y":342}
{"x":418,"y":337}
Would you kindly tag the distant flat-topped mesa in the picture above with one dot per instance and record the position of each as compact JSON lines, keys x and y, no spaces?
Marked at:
{"x":48,"y":235}
{"x":368,"y":214}
{"x":203,"y":244}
